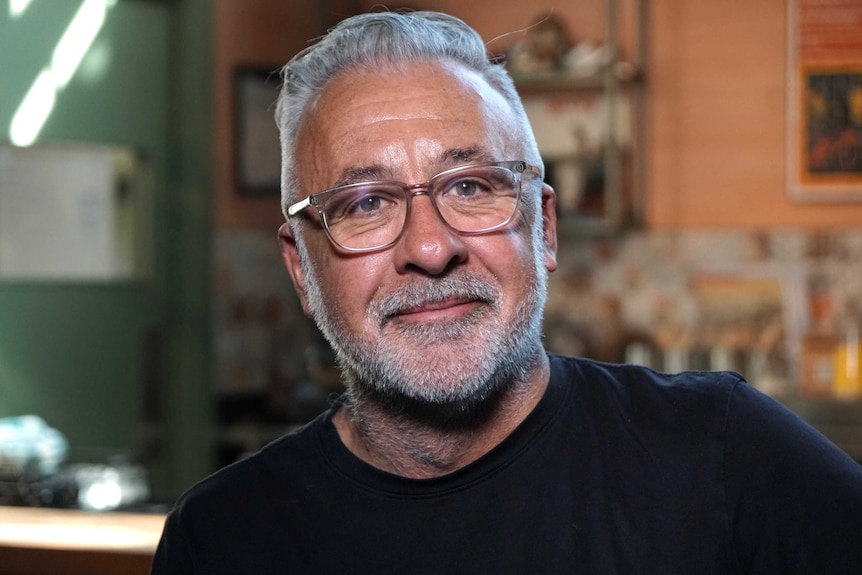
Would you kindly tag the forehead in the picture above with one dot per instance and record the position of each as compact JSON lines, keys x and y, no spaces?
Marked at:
{"x":409,"y":119}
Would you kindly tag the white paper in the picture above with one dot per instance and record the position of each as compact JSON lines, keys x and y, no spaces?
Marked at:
{"x":59,"y":213}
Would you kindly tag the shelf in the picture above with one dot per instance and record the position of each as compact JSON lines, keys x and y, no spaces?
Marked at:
{"x":564,"y":82}
{"x":592,"y":105}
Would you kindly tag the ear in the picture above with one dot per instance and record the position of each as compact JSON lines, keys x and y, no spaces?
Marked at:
{"x":290,"y":255}
{"x":549,"y":225}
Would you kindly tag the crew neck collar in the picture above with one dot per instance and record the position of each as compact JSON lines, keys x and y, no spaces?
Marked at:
{"x":342,"y":461}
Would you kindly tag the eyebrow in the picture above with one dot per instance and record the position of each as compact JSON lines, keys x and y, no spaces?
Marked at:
{"x":466,"y":155}
{"x":357,"y":174}
{"x":450,"y":158}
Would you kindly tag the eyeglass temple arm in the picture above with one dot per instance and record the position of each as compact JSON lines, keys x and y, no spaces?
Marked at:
{"x":532,"y":168}
{"x":298,"y":206}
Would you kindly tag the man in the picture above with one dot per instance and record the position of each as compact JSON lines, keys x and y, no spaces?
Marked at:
{"x":420,"y":237}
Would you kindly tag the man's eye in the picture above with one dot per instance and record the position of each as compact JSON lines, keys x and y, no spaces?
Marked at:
{"x":468,"y":188}
{"x":368,"y":204}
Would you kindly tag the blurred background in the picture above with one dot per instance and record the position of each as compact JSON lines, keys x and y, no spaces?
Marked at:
{"x":706,"y":156}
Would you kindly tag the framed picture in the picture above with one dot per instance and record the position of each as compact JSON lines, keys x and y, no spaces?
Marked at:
{"x":824,"y":118}
{"x":257,"y":154}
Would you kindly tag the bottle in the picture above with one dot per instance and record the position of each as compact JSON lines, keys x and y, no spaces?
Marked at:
{"x":847,"y":372}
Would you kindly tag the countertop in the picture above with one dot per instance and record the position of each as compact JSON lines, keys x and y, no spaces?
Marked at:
{"x":38,"y":541}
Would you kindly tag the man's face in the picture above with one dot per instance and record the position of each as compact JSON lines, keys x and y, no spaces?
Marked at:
{"x":439,"y":321}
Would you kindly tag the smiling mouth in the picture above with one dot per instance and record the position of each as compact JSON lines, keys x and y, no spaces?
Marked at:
{"x":437,"y":306}
{"x":452,"y":307}
{"x":447,"y":300}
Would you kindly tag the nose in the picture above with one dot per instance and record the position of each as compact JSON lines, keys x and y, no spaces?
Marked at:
{"x":428,"y":244}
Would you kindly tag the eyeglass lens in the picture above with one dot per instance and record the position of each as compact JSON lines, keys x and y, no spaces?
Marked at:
{"x":470,"y":199}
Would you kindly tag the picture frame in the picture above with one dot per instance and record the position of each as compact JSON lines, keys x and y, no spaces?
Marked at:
{"x":257,"y":152}
{"x":824,"y":107}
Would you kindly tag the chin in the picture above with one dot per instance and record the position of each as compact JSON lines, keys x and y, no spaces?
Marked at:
{"x":443,"y":411}
{"x":436,"y":391}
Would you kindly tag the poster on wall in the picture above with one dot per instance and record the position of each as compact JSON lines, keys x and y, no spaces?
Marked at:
{"x":72,"y":211}
{"x":824,"y":108}
{"x":257,"y":151}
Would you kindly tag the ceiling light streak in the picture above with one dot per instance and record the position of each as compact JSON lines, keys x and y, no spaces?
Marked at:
{"x":37,"y":105}
{"x":34,"y":110}
{"x":76,"y":40}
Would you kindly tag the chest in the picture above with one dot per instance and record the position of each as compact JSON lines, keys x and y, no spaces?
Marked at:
{"x":580,"y":516}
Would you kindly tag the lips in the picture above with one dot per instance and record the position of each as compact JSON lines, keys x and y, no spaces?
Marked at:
{"x":439,"y":299}
{"x":446,"y":304}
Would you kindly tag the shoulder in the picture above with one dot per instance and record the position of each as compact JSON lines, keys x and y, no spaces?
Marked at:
{"x":674,"y":420}
{"x":641,"y":389}
{"x":629,"y":374}
{"x":215,"y":515}
{"x":278,"y":466}
{"x":794,"y":499}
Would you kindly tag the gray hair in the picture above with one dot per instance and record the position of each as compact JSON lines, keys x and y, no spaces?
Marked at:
{"x":384,"y":39}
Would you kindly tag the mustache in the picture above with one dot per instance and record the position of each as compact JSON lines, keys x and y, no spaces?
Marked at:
{"x":426,"y":292}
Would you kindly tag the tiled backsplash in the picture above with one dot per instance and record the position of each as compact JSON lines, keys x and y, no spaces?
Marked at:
{"x":774,"y":305}
{"x":749,"y":301}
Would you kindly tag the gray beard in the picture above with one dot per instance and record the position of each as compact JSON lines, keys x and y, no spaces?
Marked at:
{"x":420,"y":381}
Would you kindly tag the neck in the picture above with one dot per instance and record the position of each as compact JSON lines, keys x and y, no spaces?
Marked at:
{"x":414,"y":449}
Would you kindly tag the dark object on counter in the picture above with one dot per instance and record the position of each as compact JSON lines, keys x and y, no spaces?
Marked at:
{"x":29,"y":488}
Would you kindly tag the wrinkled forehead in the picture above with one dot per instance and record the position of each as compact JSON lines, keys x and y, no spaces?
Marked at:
{"x":403,"y":115}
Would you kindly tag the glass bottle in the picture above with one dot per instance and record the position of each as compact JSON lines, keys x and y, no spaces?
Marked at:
{"x":847,"y":373}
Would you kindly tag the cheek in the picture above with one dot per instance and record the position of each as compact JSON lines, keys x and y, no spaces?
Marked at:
{"x":348,"y":286}
{"x":523,"y":260}
{"x":511,"y":260}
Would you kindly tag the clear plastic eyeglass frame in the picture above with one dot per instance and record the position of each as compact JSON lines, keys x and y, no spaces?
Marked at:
{"x":405,"y":192}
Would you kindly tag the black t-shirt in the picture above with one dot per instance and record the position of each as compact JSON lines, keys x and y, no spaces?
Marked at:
{"x":619,"y":469}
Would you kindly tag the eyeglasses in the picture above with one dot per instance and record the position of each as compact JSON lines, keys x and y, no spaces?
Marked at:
{"x":474,"y":199}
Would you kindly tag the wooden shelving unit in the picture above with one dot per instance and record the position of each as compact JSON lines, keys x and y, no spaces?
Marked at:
{"x":622,"y":169}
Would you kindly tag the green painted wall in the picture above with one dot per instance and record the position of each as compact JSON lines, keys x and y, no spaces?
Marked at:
{"x":72,"y":352}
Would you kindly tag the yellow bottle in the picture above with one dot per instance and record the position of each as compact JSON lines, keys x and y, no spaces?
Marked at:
{"x":847,"y":374}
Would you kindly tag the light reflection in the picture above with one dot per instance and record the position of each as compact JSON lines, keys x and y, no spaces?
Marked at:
{"x":76,"y":40}
{"x":17,"y":8}
{"x":102,"y":495}
{"x":33,"y":111}
{"x":37,"y":105}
